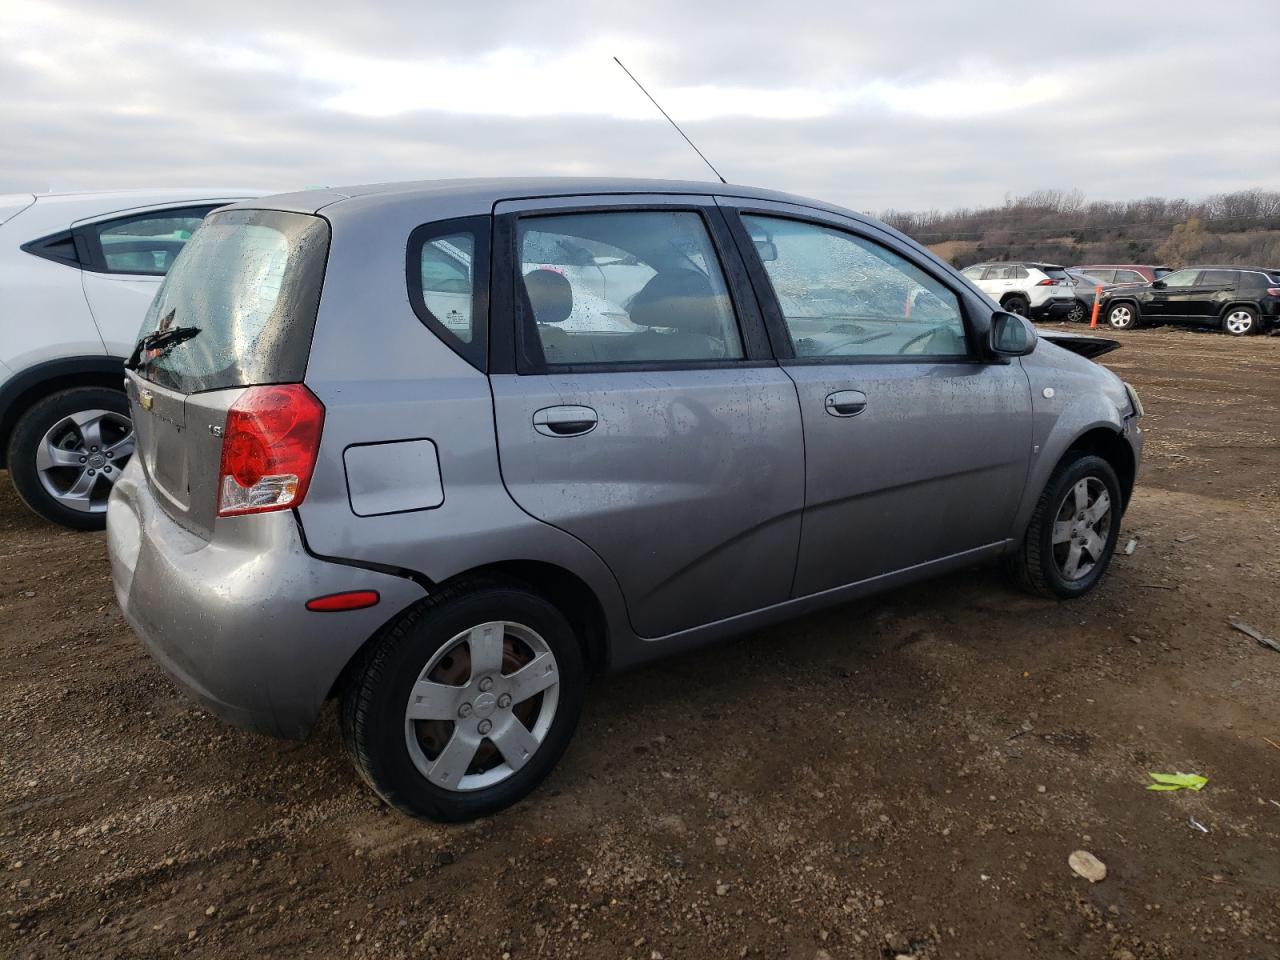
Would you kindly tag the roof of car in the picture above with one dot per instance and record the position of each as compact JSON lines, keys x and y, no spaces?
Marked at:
{"x":483,"y":193}
{"x":1122,"y":266}
{"x":1233,"y":266}
{"x":1038,"y":264}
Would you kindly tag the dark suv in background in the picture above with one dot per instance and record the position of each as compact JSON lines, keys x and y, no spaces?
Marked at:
{"x":1241,"y":300}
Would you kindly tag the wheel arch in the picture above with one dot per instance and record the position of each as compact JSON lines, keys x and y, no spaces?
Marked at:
{"x":565,"y":590}
{"x":30,"y":386}
{"x":1111,"y":446}
{"x":1233,"y":304}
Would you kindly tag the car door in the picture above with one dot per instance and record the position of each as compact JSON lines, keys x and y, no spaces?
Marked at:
{"x":1213,"y":290}
{"x":915,"y":450}
{"x":1167,"y":298}
{"x":124,"y":259}
{"x":644,"y":414}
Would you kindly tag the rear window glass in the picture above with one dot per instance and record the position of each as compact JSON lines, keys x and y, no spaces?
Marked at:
{"x":1055,"y":273}
{"x":249,"y":281}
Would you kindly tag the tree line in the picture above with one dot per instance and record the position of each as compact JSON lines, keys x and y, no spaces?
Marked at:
{"x":1063,"y":226}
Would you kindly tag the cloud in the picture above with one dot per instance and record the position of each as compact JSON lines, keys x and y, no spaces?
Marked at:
{"x":908,"y":105}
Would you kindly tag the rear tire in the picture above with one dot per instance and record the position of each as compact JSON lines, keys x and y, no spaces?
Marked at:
{"x":73,"y":495}
{"x":432,"y":735}
{"x":1241,"y":321}
{"x":1079,"y":312}
{"x":1017,"y":304}
{"x":1063,"y":529}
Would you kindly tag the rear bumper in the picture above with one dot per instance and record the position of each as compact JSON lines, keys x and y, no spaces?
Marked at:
{"x":226,"y":618}
{"x":1053,"y":309}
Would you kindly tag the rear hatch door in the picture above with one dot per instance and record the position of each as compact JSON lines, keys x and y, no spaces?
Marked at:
{"x":248,"y":282}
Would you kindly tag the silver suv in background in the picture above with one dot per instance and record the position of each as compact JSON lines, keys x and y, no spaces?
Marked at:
{"x":380,"y":459}
{"x":1041,"y":291}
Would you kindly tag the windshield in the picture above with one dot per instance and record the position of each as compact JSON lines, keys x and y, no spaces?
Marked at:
{"x":249,"y":281}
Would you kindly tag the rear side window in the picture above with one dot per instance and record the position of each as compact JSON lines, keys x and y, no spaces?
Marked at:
{"x":146,"y":244}
{"x":249,"y":282}
{"x":1129,"y":276}
{"x":1020,"y":272}
{"x":448,"y":274}
{"x":843,"y":295}
{"x":629,"y":287}
{"x":1218,"y":278}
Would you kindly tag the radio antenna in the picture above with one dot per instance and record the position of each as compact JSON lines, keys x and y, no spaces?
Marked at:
{"x":669,"y":120}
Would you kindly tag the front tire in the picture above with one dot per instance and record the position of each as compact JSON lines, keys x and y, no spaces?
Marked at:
{"x":465,"y":703}
{"x":67,"y":451}
{"x":1122,"y":316}
{"x":1073,"y":531}
{"x":1240,"y":321}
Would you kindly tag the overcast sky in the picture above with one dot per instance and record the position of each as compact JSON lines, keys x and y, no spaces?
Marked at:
{"x":894,"y":103}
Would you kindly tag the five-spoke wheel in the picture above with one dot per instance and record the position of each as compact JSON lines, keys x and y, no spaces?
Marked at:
{"x":465,"y":702}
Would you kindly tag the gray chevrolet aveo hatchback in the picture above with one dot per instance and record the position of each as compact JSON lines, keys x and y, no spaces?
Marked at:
{"x":442,"y":450}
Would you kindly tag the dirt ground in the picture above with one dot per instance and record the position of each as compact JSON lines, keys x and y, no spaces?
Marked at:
{"x":902,"y":776}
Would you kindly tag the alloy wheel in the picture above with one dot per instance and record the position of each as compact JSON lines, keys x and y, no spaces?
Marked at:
{"x":80,"y":457}
{"x":1239,"y":322}
{"x":1120,"y":317}
{"x":482,"y":706}
{"x":1082,"y":528}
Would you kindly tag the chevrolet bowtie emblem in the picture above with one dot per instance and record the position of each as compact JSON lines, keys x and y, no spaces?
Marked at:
{"x":147,"y":399}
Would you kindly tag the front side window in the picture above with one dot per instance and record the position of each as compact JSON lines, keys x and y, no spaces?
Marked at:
{"x":1183,"y":278}
{"x":625,"y":287}
{"x":842,"y":295}
{"x":999,"y":272}
{"x":975,"y":272}
{"x":145,"y":244}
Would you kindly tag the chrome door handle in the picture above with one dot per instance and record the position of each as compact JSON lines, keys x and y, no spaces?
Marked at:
{"x":846,"y":403}
{"x":565,"y":421}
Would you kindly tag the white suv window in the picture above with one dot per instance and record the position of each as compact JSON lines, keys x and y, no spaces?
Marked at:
{"x":145,"y":244}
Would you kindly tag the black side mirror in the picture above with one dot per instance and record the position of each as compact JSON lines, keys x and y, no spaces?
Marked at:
{"x":1158,"y":284}
{"x":1011,"y":335}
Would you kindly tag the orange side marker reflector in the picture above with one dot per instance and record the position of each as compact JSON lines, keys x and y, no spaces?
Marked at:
{"x":351,"y":600}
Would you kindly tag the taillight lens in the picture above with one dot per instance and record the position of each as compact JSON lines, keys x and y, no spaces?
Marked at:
{"x":269,"y":448}
{"x":1273,"y":291}
{"x":1047,"y":282}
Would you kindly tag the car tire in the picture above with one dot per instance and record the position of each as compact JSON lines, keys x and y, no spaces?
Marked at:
{"x":65,"y":425}
{"x":1122,"y":316}
{"x":1042,"y":563}
{"x":1017,"y":304}
{"x":1079,"y":312}
{"x":448,"y":768}
{"x":1240,"y":321}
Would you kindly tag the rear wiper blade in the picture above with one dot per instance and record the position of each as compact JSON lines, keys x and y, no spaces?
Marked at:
{"x":160,"y":340}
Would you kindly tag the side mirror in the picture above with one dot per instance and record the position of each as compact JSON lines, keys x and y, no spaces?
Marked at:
{"x":1158,"y":284}
{"x":1011,"y":335}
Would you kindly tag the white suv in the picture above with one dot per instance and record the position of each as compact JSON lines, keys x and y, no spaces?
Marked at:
{"x":77,"y":273}
{"x":1041,"y":291}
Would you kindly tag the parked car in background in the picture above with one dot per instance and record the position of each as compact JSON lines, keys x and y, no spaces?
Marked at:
{"x":450,"y":525}
{"x":1124,"y":272}
{"x":1086,"y":288}
{"x":1041,"y":291}
{"x":77,"y":272}
{"x":1241,"y":300}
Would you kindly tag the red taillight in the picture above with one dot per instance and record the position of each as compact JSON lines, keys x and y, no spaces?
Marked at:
{"x":1047,"y":282}
{"x":1273,"y":291}
{"x":269,"y":448}
{"x":337,"y":602}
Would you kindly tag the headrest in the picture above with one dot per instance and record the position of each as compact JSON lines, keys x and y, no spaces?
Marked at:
{"x":550,"y":295}
{"x":680,"y":299}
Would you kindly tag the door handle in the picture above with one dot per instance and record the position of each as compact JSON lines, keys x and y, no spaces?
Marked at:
{"x":565,"y":421}
{"x":846,"y":403}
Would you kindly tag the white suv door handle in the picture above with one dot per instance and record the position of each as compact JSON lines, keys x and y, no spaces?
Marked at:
{"x":565,"y":421}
